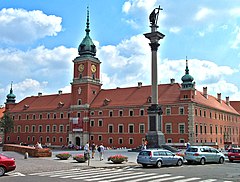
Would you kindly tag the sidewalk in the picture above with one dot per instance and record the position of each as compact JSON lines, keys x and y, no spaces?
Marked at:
{"x":96,"y":163}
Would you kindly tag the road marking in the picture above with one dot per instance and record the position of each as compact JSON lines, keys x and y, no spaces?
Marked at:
{"x":95,"y":176}
{"x":112,"y":176}
{"x":151,"y":177}
{"x":189,"y":179}
{"x":15,"y":174}
{"x":109,"y":176}
{"x":170,"y":178}
{"x":130,"y":177}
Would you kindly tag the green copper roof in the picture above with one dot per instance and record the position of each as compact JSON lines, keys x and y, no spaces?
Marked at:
{"x":11,"y":97}
{"x":187,"y":79}
{"x":87,"y":47}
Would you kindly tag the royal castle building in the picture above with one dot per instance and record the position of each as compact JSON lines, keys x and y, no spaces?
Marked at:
{"x":118,"y":117}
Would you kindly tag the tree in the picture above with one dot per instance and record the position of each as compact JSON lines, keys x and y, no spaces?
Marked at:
{"x":7,"y":124}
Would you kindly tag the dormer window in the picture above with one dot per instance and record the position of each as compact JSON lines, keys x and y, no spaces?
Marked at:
{"x":149,"y":99}
{"x":106,"y":101}
{"x":25,"y":106}
{"x":60,"y":104}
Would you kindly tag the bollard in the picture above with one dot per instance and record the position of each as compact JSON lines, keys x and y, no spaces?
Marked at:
{"x":26,"y":155}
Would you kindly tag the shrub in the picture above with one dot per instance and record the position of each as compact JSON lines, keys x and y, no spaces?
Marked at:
{"x":118,"y":158}
{"x":79,"y":158}
{"x":63,"y":156}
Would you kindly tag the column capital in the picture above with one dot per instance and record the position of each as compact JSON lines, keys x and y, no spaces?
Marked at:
{"x":154,"y":46}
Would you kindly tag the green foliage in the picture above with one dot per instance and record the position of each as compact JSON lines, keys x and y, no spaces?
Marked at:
{"x":118,"y":158}
{"x":7,"y":123}
{"x":63,"y":156}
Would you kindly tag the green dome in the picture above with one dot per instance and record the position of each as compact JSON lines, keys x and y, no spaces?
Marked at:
{"x":87,"y":47}
{"x":11,"y":97}
{"x":187,"y":79}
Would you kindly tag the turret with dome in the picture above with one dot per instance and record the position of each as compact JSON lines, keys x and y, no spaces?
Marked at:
{"x":187,"y":79}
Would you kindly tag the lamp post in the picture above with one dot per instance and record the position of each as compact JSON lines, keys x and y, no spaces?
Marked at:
{"x":155,"y":137}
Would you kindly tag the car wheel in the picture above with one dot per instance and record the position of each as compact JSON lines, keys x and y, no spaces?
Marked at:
{"x":202,"y":161}
{"x":221,"y":160}
{"x":231,"y":160}
{"x":144,"y":165}
{"x":159,"y":164}
{"x":2,"y":171}
{"x":179,"y":162}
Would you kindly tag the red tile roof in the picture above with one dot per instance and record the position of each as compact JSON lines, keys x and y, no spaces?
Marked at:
{"x":2,"y":109}
{"x":44,"y":102}
{"x":135,"y":96}
{"x":213,"y":102}
{"x":236,"y":105}
{"x":128,"y":97}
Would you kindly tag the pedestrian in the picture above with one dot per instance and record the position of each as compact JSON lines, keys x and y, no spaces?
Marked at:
{"x":101,"y":150}
{"x":188,"y":145}
{"x":93,"y":147}
{"x":38,"y":145}
{"x":86,"y":151}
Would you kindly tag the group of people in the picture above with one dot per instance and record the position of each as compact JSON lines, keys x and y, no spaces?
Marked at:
{"x":93,"y":148}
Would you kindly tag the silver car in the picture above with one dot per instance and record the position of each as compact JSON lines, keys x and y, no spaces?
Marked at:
{"x":203,"y":154}
{"x":158,"y":157}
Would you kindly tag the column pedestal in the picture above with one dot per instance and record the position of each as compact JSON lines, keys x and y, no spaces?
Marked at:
{"x":155,"y":137}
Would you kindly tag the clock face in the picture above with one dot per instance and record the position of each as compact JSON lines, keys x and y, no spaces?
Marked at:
{"x":81,"y":67}
{"x":93,"y":68}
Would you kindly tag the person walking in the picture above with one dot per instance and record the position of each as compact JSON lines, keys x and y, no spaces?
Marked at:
{"x":93,"y":147}
{"x":101,"y":150}
{"x":86,"y":151}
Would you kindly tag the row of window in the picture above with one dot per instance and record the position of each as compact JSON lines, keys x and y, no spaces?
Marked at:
{"x":216,"y":140}
{"x":200,"y":129}
{"x":216,"y":115}
{"x":40,"y":129}
{"x":40,"y":139}
{"x":120,"y":113}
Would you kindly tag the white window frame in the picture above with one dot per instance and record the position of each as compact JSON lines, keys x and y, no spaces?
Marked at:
{"x":166,"y":125}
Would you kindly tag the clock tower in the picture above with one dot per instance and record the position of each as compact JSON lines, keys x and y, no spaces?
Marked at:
{"x":86,"y":75}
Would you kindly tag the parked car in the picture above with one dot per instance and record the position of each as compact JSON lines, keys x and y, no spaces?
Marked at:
{"x":234,"y":154}
{"x":7,"y":164}
{"x":203,"y":154}
{"x":158,"y":157}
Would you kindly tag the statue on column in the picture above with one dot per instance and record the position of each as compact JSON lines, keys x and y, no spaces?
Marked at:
{"x":153,"y":17}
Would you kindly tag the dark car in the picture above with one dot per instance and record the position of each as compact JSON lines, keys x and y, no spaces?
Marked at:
{"x":7,"y":164}
{"x":234,"y":154}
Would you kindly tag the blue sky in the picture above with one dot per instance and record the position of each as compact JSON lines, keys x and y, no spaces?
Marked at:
{"x":39,"y":40}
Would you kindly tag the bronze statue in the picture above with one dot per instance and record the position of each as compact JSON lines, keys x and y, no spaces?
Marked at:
{"x":153,"y":17}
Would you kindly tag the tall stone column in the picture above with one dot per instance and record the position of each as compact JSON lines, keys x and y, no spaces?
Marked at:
{"x":154,"y":136}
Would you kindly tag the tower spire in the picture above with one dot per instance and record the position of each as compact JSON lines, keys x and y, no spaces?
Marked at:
{"x":187,"y":69}
{"x":87,"y":24}
{"x":87,"y":47}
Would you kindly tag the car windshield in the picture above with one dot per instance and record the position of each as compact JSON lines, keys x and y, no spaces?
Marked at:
{"x":145,"y":153}
{"x":192,"y":149}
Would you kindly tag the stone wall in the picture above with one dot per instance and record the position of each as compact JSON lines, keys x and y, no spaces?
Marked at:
{"x":32,"y":151}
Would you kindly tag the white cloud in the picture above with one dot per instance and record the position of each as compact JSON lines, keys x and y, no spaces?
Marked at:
{"x":234,"y":12}
{"x":36,"y":67}
{"x":175,"y":29}
{"x":126,"y":7}
{"x":131,"y":5}
{"x":26,"y":88}
{"x":19,"y":26}
{"x":236,"y":41}
{"x":212,"y":75}
{"x":203,"y":13}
